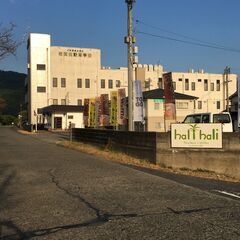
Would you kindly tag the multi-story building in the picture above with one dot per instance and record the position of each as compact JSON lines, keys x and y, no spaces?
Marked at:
{"x":66,"y":75}
{"x":62,"y":76}
{"x":212,"y":90}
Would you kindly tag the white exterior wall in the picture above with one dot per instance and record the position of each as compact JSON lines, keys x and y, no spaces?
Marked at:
{"x":38,"y":53}
{"x":208,"y":98}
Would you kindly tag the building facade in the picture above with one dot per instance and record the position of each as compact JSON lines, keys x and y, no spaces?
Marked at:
{"x":65,"y":75}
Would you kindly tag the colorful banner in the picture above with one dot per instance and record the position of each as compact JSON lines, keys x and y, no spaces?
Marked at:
{"x":170,"y":108}
{"x":137,"y":101}
{"x":91,"y":115}
{"x":113,"y":108}
{"x":104,"y":110}
{"x":121,"y":106}
{"x":97,"y":112}
{"x":85,"y":112}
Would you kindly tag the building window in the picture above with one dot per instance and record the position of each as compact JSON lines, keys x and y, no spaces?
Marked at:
{"x":110,"y":83}
{"x":174,"y":85}
{"x":156,"y":106}
{"x":70,"y":116}
{"x":186,"y":84}
{"x":212,"y":86}
{"x":199,"y":104}
{"x":205,"y":85}
{"x":218,"y":85}
{"x":199,"y":80}
{"x":218,"y":105}
{"x":157,"y":125}
{"x":63,"y":101}
{"x":160,"y":83}
{"x":102,"y":83}
{"x":60,"y":53}
{"x":182,"y":105}
{"x":65,"y":53}
{"x":41,"y":67}
{"x":87,"y":83}
{"x":180,"y":79}
{"x":55,"y":82}
{"x":41,"y":89}
{"x":55,"y":102}
{"x":79,"y":102}
{"x":63,"y":82}
{"x":118,"y":83}
{"x":79,"y":83}
{"x":193,"y":86}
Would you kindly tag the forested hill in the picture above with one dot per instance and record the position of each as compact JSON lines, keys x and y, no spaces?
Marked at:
{"x":11,"y":91}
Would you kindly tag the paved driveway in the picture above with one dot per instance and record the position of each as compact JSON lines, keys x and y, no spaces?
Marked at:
{"x":49,"y":192}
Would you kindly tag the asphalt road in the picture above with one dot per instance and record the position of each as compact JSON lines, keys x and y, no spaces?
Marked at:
{"x":49,"y":192}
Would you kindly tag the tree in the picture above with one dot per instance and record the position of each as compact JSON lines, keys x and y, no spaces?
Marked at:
{"x":2,"y":104}
{"x":8,"y":45}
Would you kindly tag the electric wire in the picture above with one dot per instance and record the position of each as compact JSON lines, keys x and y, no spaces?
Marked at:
{"x":193,"y":42}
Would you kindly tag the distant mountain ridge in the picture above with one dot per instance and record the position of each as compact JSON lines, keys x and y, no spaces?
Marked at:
{"x":12,"y":91}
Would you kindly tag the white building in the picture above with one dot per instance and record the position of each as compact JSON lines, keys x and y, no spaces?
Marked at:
{"x":65,"y":76}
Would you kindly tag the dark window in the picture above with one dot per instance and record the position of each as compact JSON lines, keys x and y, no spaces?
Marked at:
{"x":199,"y":104}
{"x":63,"y":101}
{"x":87,"y":83}
{"x":199,"y":80}
{"x":41,"y":67}
{"x":218,"y":85}
{"x":41,"y":89}
{"x":218,"y":105}
{"x":205,"y":85}
{"x":212,"y":86}
{"x":55,"y":102}
{"x":102,"y":83}
{"x":118,"y":83}
{"x":205,"y":118}
{"x":186,"y":84}
{"x":221,"y":118}
{"x":160,"y":83}
{"x":70,"y":116}
{"x":193,"y":86}
{"x":110,"y":83}
{"x":79,"y":83}
{"x":79,"y":102}
{"x":63,"y":82}
{"x":174,"y":85}
{"x":55,"y":82}
{"x":180,"y":79}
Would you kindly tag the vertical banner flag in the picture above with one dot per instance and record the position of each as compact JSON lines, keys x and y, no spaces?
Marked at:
{"x":170,"y":108}
{"x":85,"y":112}
{"x":137,"y":101}
{"x":113,"y":108}
{"x":97,"y":112}
{"x":121,"y":106}
{"x":104,"y":110}
{"x":91,"y":117}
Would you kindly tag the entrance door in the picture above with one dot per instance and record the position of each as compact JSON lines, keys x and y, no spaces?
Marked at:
{"x":57,"y":123}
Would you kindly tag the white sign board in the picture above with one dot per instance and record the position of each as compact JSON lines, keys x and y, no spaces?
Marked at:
{"x":202,"y":135}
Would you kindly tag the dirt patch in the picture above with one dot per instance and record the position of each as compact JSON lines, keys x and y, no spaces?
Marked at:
{"x":125,"y":159}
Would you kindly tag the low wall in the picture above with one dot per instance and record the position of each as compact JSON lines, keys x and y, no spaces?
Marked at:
{"x":224,"y":161}
{"x":156,"y":148}
{"x":137,"y":144}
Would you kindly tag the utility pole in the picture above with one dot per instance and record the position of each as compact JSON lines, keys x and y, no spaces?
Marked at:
{"x":130,"y":40}
{"x":226,"y":73}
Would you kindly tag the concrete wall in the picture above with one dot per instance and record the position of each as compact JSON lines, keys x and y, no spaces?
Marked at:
{"x":224,"y":161}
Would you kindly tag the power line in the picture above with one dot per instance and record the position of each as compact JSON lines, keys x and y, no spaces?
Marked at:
{"x":189,"y":42}
{"x":196,"y":41}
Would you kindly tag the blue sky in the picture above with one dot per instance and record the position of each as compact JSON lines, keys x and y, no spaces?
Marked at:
{"x":102,"y":24}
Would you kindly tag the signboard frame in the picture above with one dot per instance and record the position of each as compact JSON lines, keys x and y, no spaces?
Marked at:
{"x":201,"y":135}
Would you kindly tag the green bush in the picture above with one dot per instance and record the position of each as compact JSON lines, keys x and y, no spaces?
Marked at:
{"x":8,"y":119}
